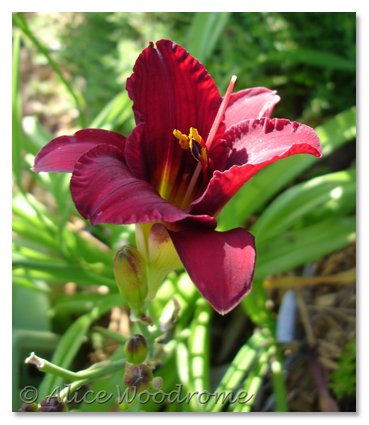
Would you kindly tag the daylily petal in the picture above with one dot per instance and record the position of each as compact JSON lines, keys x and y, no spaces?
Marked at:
{"x":257,"y":102}
{"x":218,"y":154}
{"x":256,"y":143}
{"x":220,"y":264}
{"x":136,"y":161}
{"x":60,"y":155}
{"x":105,"y":191}
{"x":170,"y":90}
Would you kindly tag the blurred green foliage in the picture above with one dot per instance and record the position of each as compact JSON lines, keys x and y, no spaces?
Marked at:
{"x":300,"y":208}
{"x":343,"y":380}
{"x":309,"y":58}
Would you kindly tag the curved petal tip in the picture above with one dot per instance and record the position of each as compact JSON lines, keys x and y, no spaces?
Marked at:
{"x":220,"y":264}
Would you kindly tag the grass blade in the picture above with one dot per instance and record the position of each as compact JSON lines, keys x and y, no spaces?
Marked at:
{"x":198,"y":347}
{"x":302,"y":246}
{"x":236,"y":372}
{"x":71,"y":342}
{"x":16,"y":112}
{"x":206,"y":29}
{"x":305,"y":203}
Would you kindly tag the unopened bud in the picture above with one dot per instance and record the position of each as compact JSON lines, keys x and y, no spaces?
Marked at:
{"x":137,"y":378}
{"x":52,"y":404}
{"x":136,"y":349}
{"x":157,"y":383}
{"x":130,"y":275}
{"x":28,"y":407}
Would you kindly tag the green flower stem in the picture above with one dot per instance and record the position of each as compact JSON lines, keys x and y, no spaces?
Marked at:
{"x":145,"y":332}
{"x":72,"y":387}
{"x":154,"y":279}
{"x":100,"y":370}
{"x":47,"y":367}
{"x":279,"y":386}
{"x":94,"y":372}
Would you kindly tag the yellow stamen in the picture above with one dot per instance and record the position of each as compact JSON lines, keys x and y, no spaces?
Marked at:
{"x":194,"y":134}
{"x":183,"y":139}
{"x":204,"y":156}
{"x":195,"y":143}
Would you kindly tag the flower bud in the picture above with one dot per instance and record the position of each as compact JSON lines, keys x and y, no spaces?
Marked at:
{"x":136,"y":349}
{"x":138,"y":378}
{"x":157,"y":383}
{"x":52,"y":404}
{"x":28,"y":407}
{"x":130,"y":275}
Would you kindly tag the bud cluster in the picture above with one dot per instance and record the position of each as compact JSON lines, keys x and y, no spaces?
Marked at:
{"x":48,"y":404}
{"x":138,"y":375}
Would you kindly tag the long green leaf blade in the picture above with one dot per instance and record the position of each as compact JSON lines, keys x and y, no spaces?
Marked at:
{"x":287,"y":251}
{"x":206,"y":29}
{"x":16,"y":112}
{"x":236,"y":372}
{"x":71,"y":342}
{"x":329,"y":195}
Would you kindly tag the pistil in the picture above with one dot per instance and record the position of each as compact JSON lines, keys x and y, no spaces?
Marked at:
{"x":209,"y":140}
{"x":221,"y":110}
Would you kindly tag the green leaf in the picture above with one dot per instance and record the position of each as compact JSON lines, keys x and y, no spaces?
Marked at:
{"x":60,"y":272}
{"x":29,"y":210}
{"x":16,"y":112}
{"x":237,"y":370}
{"x":206,"y":29}
{"x":37,"y":136}
{"x":111,"y":334}
{"x":108,"y":385}
{"x":326,"y":60}
{"x":21,"y":252}
{"x":31,"y":230}
{"x":199,"y":350}
{"x":38,"y":286}
{"x":254,"y":380}
{"x":71,"y":342}
{"x":303,"y":204}
{"x":289,"y":250}
{"x":255,"y":309}
{"x":115,"y":113}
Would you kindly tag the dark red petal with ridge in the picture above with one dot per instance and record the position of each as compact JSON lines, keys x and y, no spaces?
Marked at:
{"x":170,"y":90}
{"x":220,"y":264}
{"x":257,"y":102}
{"x":62,"y":153}
{"x":137,"y":163}
{"x":254,"y":145}
{"x":105,"y":191}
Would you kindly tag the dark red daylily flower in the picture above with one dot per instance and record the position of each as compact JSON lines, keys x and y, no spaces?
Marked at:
{"x":189,"y":153}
